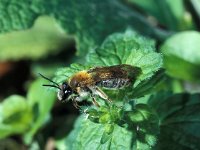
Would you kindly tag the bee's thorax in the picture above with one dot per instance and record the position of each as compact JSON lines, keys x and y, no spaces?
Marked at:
{"x":80,"y":79}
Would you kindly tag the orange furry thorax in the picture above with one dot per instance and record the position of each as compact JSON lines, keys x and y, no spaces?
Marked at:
{"x":80,"y":79}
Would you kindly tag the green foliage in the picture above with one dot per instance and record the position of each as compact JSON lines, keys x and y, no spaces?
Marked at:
{"x":128,"y":48}
{"x":15,"y":116}
{"x":115,"y":128}
{"x":88,"y":135}
{"x":196,"y":5}
{"x":179,"y":120}
{"x":171,"y":14}
{"x":102,"y":33}
{"x":41,"y":101}
{"x":69,"y":18}
{"x":20,"y":115}
{"x":150,"y":85}
{"x":139,"y":123}
{"x":122,"y":48}
{"x":181,"y":55}
{"x":44,"y":38}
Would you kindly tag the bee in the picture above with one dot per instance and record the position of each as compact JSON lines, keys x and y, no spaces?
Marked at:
{"x":89,"y":83}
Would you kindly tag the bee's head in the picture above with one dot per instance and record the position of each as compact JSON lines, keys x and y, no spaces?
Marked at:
{"x":65,"y":92}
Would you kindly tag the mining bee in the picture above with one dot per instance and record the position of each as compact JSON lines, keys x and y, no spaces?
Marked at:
{"x":88,"y":83}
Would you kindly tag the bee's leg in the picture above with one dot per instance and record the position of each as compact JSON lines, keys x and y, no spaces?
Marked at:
{"x":74,"y":101}
{"x":90,"y":90}
{"x":94,"y":101}
{"x":75,"y":104}
{"x":102,"y":94}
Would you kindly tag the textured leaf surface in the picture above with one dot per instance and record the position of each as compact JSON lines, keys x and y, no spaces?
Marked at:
{"x":179,"y":120}
{"x":149,"y":86}
{"x":88,"y":136}
{"x":141,"y":133}
{"x":128,"y":48}
{"x":86,"y":20}
{"x":182,"y":55}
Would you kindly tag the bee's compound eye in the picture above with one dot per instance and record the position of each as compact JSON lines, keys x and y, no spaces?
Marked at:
{"x":64,"y":86}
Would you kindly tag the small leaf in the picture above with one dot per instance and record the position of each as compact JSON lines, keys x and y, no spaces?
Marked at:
{"x":181,"y":55}
{"x":107,"y":134}
{"x":41,"y":101}
{"x":105,"y":118}
{"x":15,"y":116}
{"x":109,"y":128}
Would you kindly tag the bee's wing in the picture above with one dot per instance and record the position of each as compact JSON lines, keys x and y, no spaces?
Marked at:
{"x":118,"y":71}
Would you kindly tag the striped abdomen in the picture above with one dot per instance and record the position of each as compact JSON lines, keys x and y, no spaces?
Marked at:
{"x":115,"y":83}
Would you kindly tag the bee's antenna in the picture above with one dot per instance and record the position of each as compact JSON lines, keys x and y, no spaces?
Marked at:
{"x":52,"y":86}
{"x":57,"y":86}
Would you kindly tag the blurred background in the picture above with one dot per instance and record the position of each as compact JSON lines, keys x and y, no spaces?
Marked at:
{"x":38,"y":36}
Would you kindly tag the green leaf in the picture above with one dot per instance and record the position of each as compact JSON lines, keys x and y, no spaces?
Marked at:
{"x":110,"y":16}
{"x":107,"y":134}
{"x":44,"y":38}
{"x":179,"y":120}
{"x":41,"y":101}
{"x":169,"y":13}
{"x":15,"y":116}
{"x":138,"y":130}
{"x":87,"y":135}
{"x":75,"y":17}
{"x":181,"y":55}
{"x":196,"y":6}
{"x":128,"y":48}
{"x":144,"y":121}
{"x":149,"y":86}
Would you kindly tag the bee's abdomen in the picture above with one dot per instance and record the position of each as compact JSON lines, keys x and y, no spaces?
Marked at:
{"x":114,"y":83}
